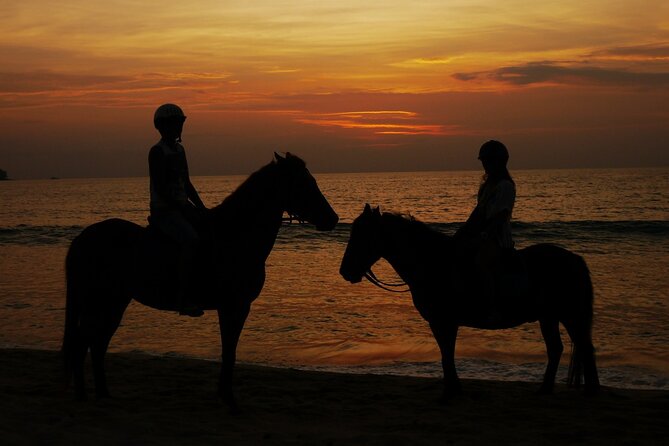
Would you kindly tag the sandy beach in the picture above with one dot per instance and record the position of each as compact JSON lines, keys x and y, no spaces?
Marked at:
{"x":165,"y":400}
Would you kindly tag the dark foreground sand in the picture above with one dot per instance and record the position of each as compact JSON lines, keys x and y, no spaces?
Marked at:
{"x":164,"y":401}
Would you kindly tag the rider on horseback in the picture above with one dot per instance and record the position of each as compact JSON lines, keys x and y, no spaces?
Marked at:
{"x":489,"y":225}
{"x":175,"y":204}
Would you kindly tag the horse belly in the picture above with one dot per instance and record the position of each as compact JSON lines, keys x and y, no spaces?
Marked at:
{"x":229,"y":285}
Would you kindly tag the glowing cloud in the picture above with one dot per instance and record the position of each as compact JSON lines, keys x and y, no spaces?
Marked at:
{"x":380,"y":122}
{"x":550,"y":72}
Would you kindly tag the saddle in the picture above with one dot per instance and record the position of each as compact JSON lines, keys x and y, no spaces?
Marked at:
{"x":504,"y":281}
{"x":510,"y":278}
{"x":157,"y":260}
{"x":159,"y":248}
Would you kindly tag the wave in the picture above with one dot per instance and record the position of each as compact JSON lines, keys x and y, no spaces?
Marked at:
{"x":606,"y":231}
{"x":620,"y":376}
{"x":532,"y":232}
{"x":38,"y":235}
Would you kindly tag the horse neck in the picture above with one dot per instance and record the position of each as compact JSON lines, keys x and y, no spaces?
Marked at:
{"x":255,"y":206}
{"x":412,"y":248}
{"x":399,"y":250}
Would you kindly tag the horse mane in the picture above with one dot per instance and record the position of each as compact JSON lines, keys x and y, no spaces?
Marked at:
{"x":244,"y":194}
{"x":245,"y":189}
{"x":418,"y":229}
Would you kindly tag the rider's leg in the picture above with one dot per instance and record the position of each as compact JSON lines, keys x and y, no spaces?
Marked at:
{"x":189,"y":242}
{"x":174,"y":225}
{"x":486,"y":261}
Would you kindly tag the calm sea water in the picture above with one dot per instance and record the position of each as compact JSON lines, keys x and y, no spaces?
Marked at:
{"x":308,"y":316}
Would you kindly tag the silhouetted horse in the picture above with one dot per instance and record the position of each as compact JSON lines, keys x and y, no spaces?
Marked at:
{"x":446,"y":295}
{"x":114,"y":261}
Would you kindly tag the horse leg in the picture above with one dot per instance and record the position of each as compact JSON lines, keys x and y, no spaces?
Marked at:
{"x":445,"y":334}
{"x":75,"y":347}
{"x":231,"y":320}
{"x":78,"y":357}
{"x":550,"y":329}
{"x":87,"y":340}
{"x":581,"y":335}
{"x":99,"y":345}
{"x":75,"y":342}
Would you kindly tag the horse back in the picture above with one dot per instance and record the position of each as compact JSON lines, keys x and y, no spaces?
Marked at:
{"x":560,"y":279}
{"x":101,"y":244}
{"x":127,"y":259}
{"x":539,"y":281}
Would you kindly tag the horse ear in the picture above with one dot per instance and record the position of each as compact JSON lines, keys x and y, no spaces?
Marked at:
{"x":377,"y":211}
{"x":368,"y":209}
{"x":278,"y":157}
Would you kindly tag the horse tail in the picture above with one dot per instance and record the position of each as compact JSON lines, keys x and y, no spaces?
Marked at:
{"x":575,"y":371}
{"x":584,"y":302}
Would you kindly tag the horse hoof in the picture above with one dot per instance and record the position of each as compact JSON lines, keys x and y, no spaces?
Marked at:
{"x":449,"y":396}
{"x":444,"y":400}
{"x":545,"y":390}
{"x":234,"y":410}
{"x":591,"y":391}
{"x":230,"y":401}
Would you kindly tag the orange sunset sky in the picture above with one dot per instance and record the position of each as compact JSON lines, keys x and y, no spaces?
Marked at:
{"x":348,"y":85}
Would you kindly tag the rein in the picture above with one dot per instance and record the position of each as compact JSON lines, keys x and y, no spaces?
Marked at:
{"x":292,"y":218}
{"x":369,"y":275}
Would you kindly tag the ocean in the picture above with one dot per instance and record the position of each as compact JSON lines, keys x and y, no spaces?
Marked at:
{"x":308,"y":317}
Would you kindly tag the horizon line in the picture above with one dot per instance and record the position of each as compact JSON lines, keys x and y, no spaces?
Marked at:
{"x":56,"y":178}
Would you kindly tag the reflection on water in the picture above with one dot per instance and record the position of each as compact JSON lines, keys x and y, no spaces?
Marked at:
{"x":308,"y":316}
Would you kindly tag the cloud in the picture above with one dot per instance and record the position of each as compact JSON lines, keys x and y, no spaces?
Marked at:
{"x":649,"y":51}
{"x":40,"y":81}
{"x":51,"y":88}
{"x":37,"y":81}
{"x":424,"y":62}
{"x":380,"y":122}
{"x":555,"y":73}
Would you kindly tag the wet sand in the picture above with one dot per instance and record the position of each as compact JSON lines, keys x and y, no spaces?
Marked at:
{"x":165,"y":400}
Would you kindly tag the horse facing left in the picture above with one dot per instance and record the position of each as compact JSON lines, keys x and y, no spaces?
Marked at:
{"x":114,"y":261}
{"x":447,"y":296}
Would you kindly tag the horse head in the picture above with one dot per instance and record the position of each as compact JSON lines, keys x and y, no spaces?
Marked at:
{"x":301,"y":196}
{"x":363,"y":249}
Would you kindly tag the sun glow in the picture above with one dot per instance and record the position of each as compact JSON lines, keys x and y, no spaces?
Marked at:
{"x":380,"y":123}
{"x":456,"y":72}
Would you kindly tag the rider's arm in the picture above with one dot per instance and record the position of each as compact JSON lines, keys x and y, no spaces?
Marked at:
{"x":501,"y":202}
{"x":157,"y":171}
{"x":498,"y":211}
{"x":191,"y":192}
{"x":473,"y":224}
{"x":496,"y":220}
{"x":194,"y":196}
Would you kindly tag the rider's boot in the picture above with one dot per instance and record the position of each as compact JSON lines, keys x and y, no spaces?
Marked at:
{"x":186,"y":307}
{"x":493,"y":314}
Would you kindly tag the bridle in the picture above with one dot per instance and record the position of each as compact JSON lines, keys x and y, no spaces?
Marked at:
{"x":292,"y":216}
{"x":369,"y":275}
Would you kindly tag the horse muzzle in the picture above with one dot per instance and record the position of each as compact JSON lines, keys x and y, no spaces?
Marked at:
{"x":350,"y":277}
{"x":328,"y":224}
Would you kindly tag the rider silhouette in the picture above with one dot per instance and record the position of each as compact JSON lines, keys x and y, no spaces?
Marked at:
{"x":175,"y":204}
{"x":488,"y":227}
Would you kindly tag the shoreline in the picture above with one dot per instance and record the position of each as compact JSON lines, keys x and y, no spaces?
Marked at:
{"x":171,"y":400}
{"x":527,"y":370}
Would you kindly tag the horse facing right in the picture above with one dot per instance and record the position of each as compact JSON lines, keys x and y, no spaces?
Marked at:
{"x":115,"y":261}
{"x":559,"y":291}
